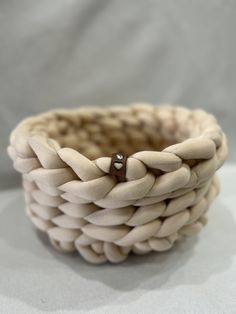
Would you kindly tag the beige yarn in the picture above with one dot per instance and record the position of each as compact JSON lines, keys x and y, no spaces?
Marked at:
{"x":64,"y":157}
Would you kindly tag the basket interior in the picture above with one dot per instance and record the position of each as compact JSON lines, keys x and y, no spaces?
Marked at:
{"x":96,"y":133}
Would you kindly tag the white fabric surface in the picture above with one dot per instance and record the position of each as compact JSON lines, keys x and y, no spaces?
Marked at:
{"x":197,"y":276}
{"x":69,"y":53}
{"x":57,"y":53}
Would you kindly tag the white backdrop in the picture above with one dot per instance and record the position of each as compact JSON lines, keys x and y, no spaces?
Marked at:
{"x":67,"y":53}
{"x":57,"y":53}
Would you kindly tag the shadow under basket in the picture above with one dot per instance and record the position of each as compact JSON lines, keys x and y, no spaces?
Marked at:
{"x":114,"y":180}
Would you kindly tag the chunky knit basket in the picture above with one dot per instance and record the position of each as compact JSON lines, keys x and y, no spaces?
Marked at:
{"x":110,"y":181}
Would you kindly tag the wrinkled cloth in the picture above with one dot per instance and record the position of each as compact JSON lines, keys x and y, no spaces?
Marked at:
{"x":75,"y":52}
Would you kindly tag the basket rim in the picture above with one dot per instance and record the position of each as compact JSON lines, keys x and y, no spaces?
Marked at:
{"x":211,"y":131}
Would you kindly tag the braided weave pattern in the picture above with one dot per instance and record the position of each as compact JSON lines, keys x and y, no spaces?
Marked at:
{"x":70,"y":194}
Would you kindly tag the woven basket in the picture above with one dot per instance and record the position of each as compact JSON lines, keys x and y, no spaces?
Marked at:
{"x":155,"y":190}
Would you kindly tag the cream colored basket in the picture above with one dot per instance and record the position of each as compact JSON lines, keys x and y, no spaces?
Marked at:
{"x":155,"y":190}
